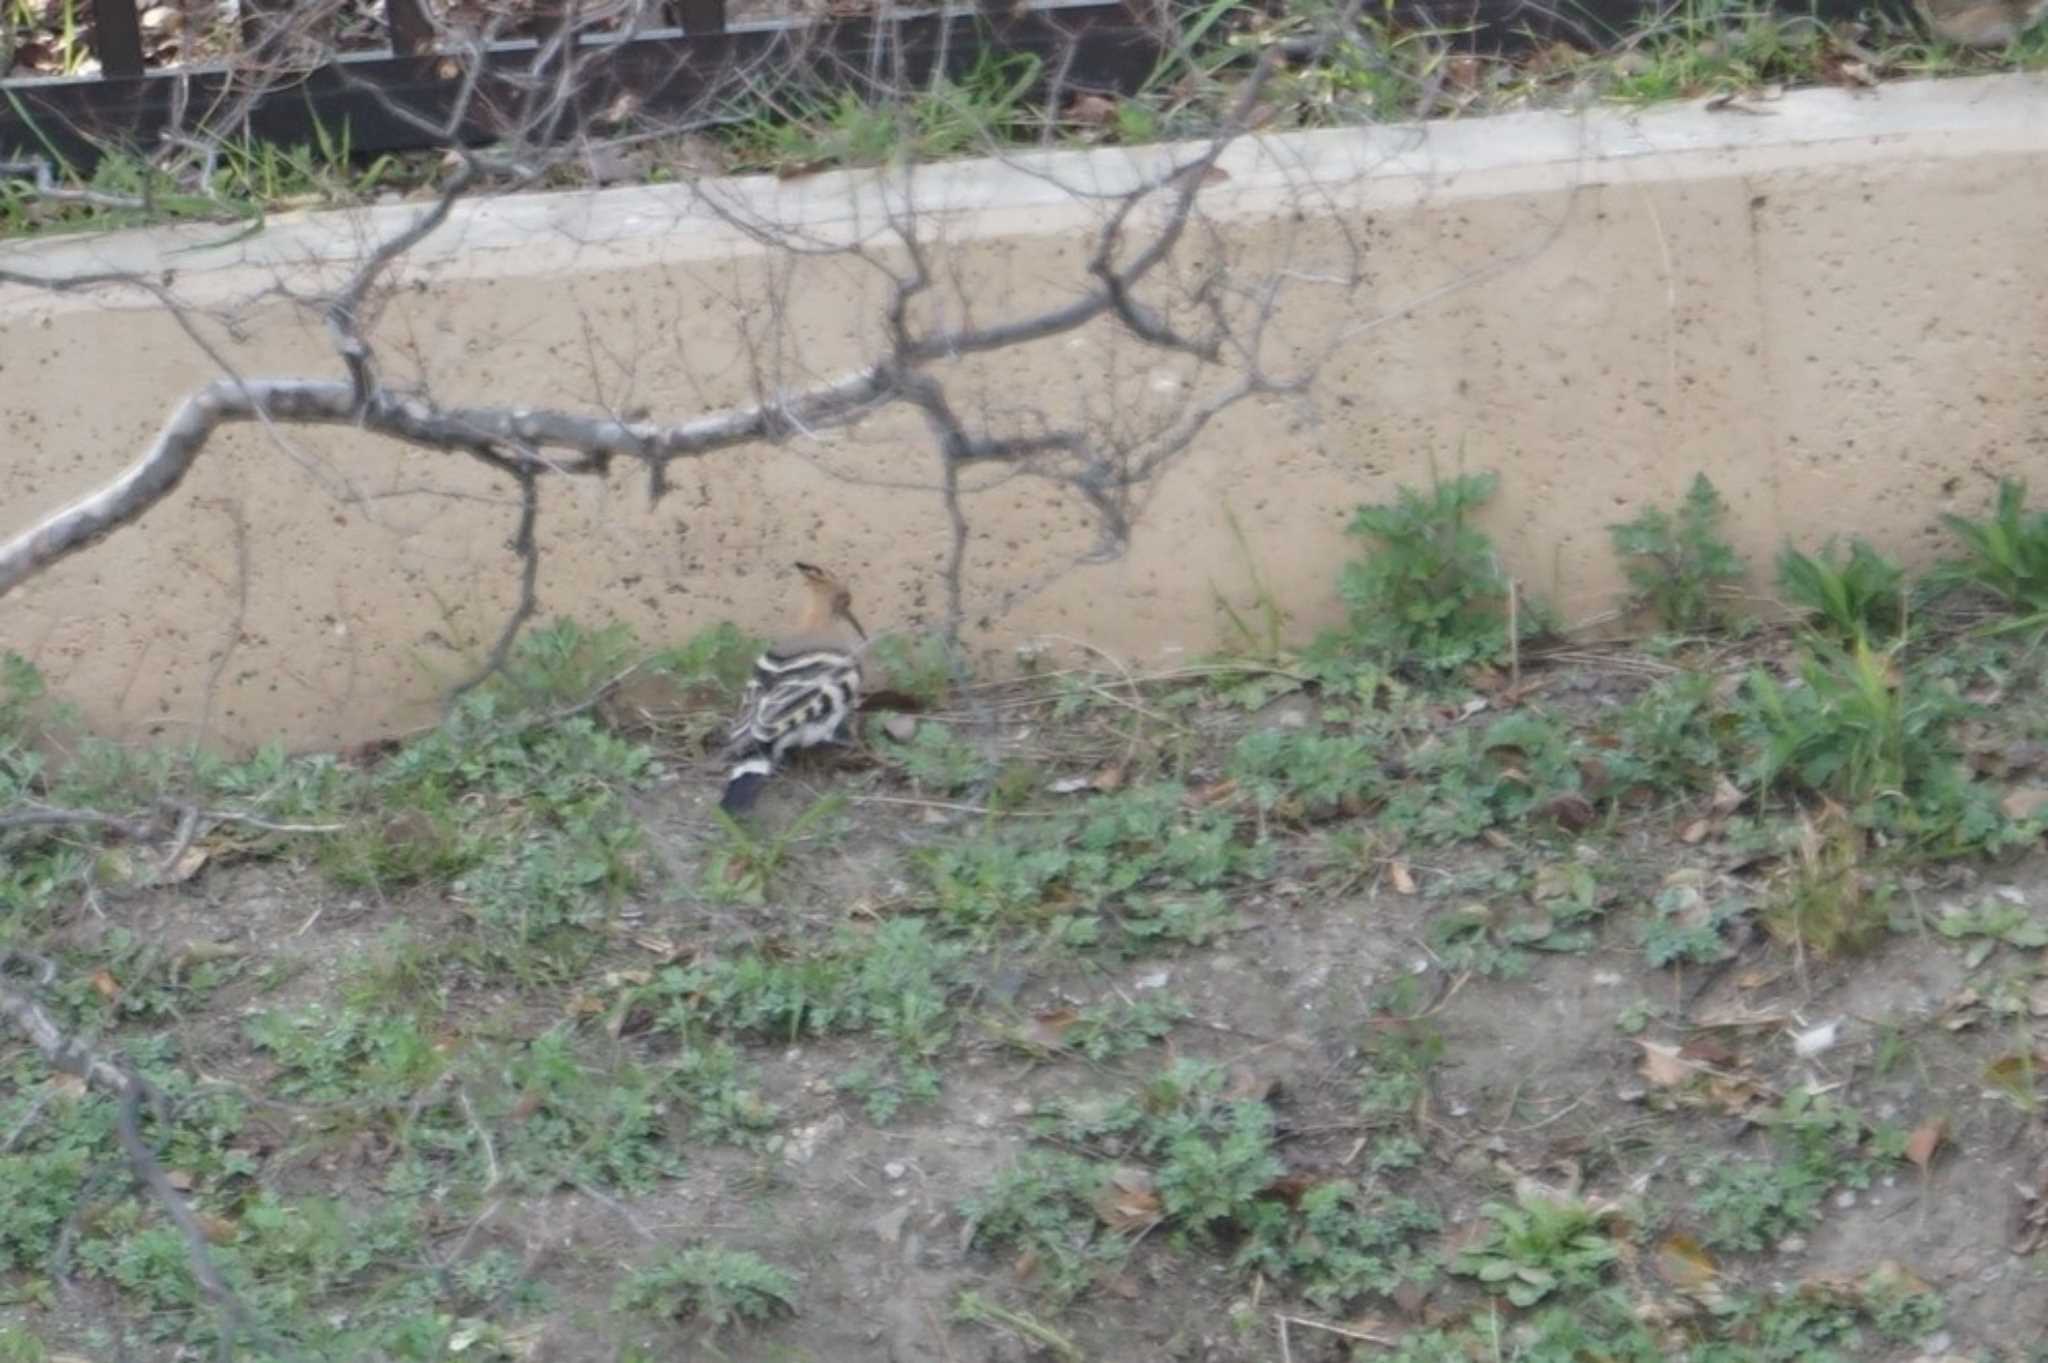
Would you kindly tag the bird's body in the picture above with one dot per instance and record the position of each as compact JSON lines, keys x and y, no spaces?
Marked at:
{"x":803,"y":694}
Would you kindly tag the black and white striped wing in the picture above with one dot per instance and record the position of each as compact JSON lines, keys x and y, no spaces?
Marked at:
{"x":795,"y":700}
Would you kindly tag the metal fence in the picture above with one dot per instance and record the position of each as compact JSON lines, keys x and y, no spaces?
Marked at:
{"x":394,"y":98}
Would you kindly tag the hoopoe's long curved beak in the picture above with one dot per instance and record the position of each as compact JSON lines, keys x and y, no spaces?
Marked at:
{"x":847,"y":612}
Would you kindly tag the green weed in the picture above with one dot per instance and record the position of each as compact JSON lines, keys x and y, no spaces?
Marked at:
{"x":1539,"y":1246}
{"x":1469,"y":780}
{"x":2005,"y":554}
{"x":939,"y":760}
{"x":1307,"y":775}
{"x":1368,"y":68}
{"x":1185,"y":1157}
{"x":1862,"y":597}
{"x":565,"y":1121}
{"x":563,"y":663}
{"x":1139,"y":860}
{"x":983,"y":109}
{"x":742,"y":866}
{"x":1430,"y":594}
{"x":1750,"y":1204}
{"x":1688,"y":913}
{"x":717,"y":1286}
{"x":1703,"y":46}
{"x":924,"y":667}
{"x":1675,"y":737}
{"x":1677,"y":563}
{"x":719,"y":658}
{"x":1260,"y":636}
{"x":1854,"y":729}
{"x":1824,"y":901}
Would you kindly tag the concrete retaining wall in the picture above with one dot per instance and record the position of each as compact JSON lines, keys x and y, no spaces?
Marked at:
{"x":1834,"y":307}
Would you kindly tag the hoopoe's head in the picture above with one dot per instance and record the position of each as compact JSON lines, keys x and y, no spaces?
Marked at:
{"x":830,"y":596}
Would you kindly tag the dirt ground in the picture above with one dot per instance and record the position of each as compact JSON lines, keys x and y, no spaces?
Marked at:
{"x":1537,"y":1081}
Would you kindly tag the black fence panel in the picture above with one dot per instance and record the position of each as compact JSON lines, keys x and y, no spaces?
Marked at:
{"x":405,"y":98}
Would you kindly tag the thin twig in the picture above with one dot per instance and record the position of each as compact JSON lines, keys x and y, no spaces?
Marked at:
{"x":1347,"y":1331}
{"x":53,"y":817}
{"x":130,"y":1091}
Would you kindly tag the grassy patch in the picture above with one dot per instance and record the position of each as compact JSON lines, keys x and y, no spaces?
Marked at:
{"x":536,"y":997}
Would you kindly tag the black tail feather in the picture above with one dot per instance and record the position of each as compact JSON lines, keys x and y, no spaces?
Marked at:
{"x":743,"y":786}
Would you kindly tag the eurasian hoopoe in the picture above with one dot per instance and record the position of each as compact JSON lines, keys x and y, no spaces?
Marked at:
{"x":804,"y":691}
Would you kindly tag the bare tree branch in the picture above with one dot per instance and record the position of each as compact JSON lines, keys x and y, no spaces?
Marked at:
{"x":1216,"y":322}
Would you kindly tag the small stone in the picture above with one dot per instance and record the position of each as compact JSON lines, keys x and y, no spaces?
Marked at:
{"x":803,"y":1145}
{"x":1792,"y":1244}
{"x":1846,"y":1198}
{"x":888,"y":1227}
{"x":894,"y":1169}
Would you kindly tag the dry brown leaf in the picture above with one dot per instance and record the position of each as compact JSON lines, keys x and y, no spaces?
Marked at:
{"x":1093,"y":110}
{"x":797,"y":170}
{"x":1572,"y":811}
{"x":1684,"y":1263}
{"x":1127,"y":1201}
{"x":1663,"y":1066}
{"x":105,"y":985}
{"x":217,"y":1229}
{"x":2012,"y":1074}
{"x":1709,"y":1050}
{"x":1728,"y":797}
{"x":1497,"y":840}
{"x":2024,"y":802}
{"x":1594,"y":778}
{"x":1291,"y":1188}
{"x":1049,"y":1029}
{"x":1108,"y":779}
{"x":1925,"y":1140}
{"x":1734,"y":1094}
{"x":1401,"y":876}
{"x":1959,"y":1010}
{"x":181,"y":1179}
{"x":185,"y":867}
{"x":1248,"y":1085}
{"x":1695,"y":832}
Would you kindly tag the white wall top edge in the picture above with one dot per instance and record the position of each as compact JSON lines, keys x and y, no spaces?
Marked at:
{"x":1050,"y":191}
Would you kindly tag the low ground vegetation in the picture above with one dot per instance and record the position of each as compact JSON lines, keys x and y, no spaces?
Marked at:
{"x":1438,"y":991}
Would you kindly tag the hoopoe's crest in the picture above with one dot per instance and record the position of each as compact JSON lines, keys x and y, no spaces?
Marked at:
{"x":804,"y":691}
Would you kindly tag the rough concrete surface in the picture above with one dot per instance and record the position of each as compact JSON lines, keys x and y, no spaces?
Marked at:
{"x":1833,"y":309}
